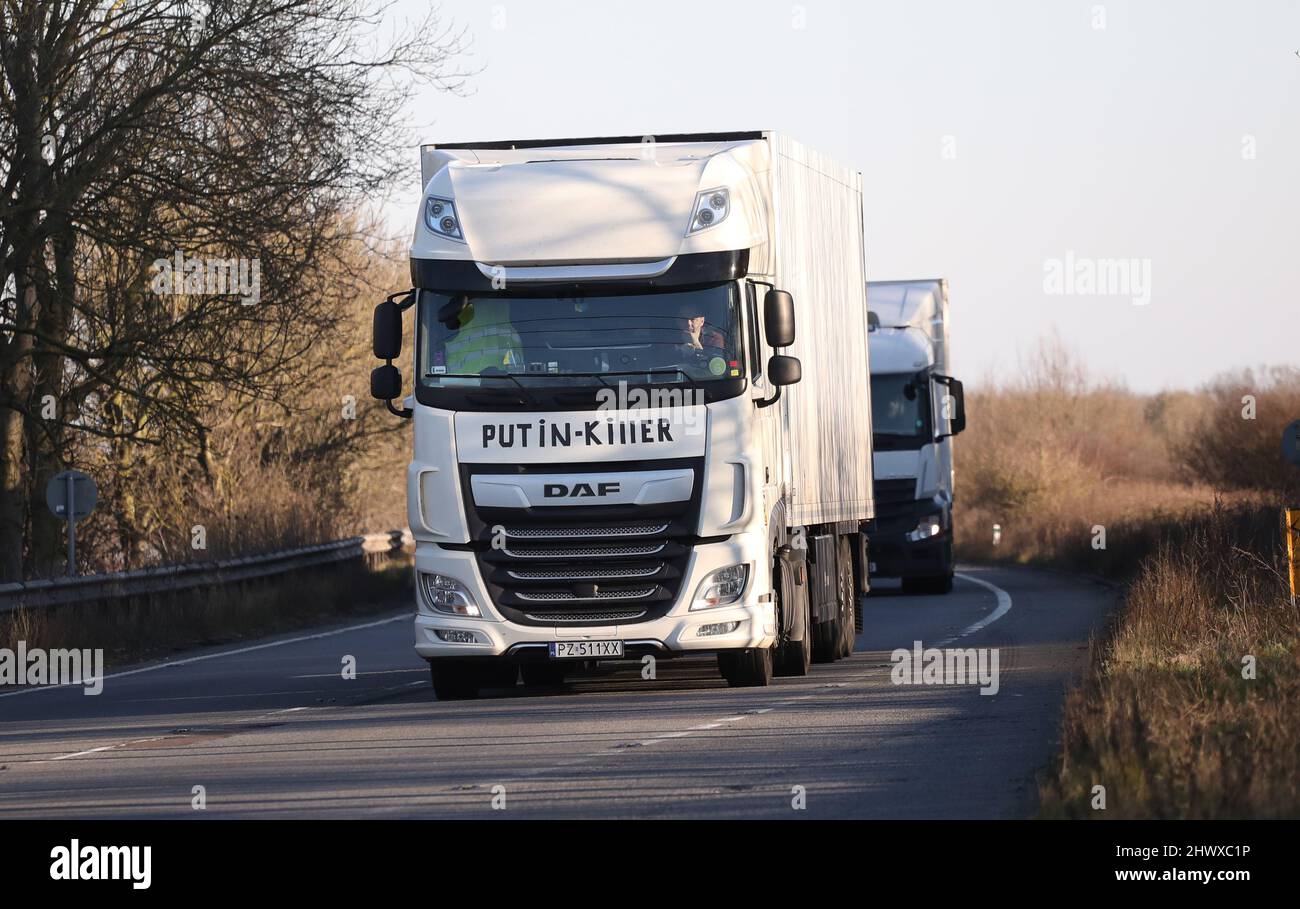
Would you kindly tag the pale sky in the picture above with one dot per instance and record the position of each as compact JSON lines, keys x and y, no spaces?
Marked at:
{"x":992,"y":137}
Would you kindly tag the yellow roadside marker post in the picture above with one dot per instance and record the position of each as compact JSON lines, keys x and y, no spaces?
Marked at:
{"x":1293,"y":548}
{"x":1291,"y":516}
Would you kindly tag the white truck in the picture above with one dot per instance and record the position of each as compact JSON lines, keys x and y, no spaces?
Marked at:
{"x":917,"y":407}
{"x":623,"y":446}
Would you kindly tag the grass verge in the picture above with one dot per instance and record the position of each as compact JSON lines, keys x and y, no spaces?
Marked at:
{"x":1189,"y":707}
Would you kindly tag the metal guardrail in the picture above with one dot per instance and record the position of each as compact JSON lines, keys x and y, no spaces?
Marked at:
{"x":166,"y":578}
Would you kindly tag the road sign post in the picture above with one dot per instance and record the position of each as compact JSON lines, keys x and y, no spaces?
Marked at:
{"x":71,"y":495}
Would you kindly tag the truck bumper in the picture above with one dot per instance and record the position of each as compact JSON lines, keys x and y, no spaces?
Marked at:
{"x":676,"y":633}
{"x":892,"y":555}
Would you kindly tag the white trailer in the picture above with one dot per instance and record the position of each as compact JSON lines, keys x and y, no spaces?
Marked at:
{"x":622,"y":445}
{"x":918,"y":407}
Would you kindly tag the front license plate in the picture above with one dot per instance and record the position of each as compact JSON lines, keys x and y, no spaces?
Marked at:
{"x":586,"y":650}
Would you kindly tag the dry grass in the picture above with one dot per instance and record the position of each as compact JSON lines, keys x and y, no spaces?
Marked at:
{"x":1188,"y":491}
{"x":1051,"y":457}
{"x":1165,"y":720}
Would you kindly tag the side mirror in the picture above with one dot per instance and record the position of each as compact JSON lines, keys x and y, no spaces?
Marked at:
{"x":386,"y":382}
{"x":782,"y":370}
{"x":386,"y":333}
{"x":953,"y":406}
{"x":778,"y":318}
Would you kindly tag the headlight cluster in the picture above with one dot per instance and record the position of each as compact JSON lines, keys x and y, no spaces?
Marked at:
{"x":929,"y":526}
{"x":444,"y":594}
{"x":440,"y":216}
{"x":721,"y":588}
{"x":711,"y":208}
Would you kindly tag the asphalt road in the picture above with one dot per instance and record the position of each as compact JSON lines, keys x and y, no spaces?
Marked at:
{"x":272,"y":729}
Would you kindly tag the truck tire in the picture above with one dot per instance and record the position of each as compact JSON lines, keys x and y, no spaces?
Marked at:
{"x":828,"y":637}
{"x":848,"y":595}
{"x":746,"y":668}
{"x":543,"y":675}
{"x":453,"y":681}
{"x":795,"y":657}
{"x":826,"y":641}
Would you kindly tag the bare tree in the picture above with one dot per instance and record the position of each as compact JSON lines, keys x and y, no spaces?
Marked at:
{"x":143,"y":135}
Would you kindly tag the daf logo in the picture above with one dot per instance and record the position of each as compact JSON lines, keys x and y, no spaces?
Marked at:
{"x":578,"y":490}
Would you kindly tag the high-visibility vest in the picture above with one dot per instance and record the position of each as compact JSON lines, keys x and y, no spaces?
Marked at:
{"x":486,"y":339}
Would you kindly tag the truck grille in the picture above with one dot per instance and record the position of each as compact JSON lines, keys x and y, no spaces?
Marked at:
{"x":622,"y":593}
{"x":895,"y":504}
{"x":588,"y":618}
{"x":583,"y":551}
{"x":568,"y":567}
{"x":583,"y":564}
{"x":591,"y":573}
{"x":570,"y":533}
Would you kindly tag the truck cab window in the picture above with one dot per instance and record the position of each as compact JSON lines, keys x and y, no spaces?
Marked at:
{"x":683,"y":335}
{"x":901,"y":411}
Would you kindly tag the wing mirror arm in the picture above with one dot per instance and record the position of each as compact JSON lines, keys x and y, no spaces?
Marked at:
{"x":768,"y":402}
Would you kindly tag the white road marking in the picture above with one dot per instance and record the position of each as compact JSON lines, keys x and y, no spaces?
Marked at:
{"x":216,"y":656}
{"x":335,"y":675}
{"x":1003,"y":607}
{"x":64,"y":757}
{"x":154,"y":738}
{"x":77,"y":754}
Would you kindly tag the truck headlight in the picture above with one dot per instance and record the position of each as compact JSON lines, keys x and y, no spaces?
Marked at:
{"x":929,"y":526}
{"x":440,"y":217}
{"x":711,"y":208}
{"x":448,"y":595}
{"x":721,"y":588}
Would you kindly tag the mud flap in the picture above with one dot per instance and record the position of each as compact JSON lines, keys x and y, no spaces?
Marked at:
{"x":794,"y":585}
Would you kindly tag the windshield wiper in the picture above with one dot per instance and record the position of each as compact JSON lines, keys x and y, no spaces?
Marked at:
{"x":527,"y":395}
{"x":635,"y":372}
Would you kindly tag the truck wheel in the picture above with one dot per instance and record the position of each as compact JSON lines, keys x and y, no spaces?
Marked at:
{"x":848,"y":595}
{"x":452,"y":682}
{"x":795,"y":657}
{"x":746,"y":668}
{"x":828,"y":637}
{"x":542,"y":675}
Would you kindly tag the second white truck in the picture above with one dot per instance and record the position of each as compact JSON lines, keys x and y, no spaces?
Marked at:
{"x":917,"y":407}
{"x":639,"y":368}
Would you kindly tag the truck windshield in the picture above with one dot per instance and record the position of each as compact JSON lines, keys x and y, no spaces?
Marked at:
{"x":900,"y":411}
{"x":680,"y":336}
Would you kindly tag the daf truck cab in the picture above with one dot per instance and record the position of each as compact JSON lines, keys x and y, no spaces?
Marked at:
{"x":917,"y":408}
{"x":632,"y":439}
